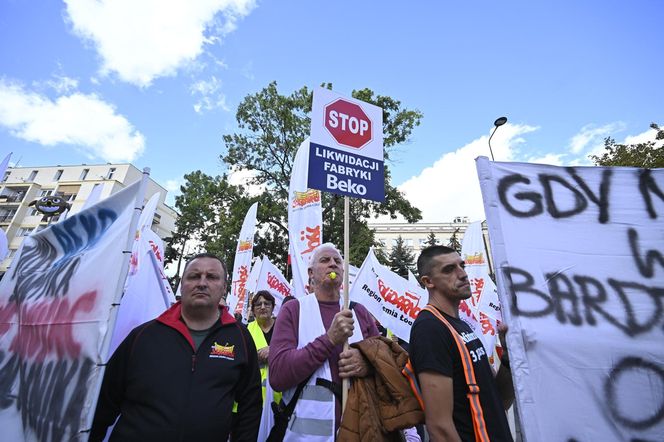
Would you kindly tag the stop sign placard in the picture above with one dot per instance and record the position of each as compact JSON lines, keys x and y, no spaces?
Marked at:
{"x":348,"y":124}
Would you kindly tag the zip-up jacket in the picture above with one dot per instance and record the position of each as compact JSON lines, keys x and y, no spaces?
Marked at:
{"x":165,"y":390}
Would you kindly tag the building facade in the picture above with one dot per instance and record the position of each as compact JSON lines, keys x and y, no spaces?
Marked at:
{"x":22,"y":185}
{"x":416,"y":235}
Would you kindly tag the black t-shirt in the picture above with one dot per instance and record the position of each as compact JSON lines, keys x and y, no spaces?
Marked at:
{"x":432,"y":348}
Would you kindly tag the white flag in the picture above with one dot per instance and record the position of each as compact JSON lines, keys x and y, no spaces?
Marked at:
{"x":64,"y":280}
{"x":305,"y":220}
{"x":94,"y":196}
{"x":272,"y":280}
{"x":391,"y":299}
{"x":482,"y":310}
{"x":241,"y":266}
{"x":147,"y":291}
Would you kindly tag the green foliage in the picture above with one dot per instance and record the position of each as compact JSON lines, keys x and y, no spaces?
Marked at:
{"x":211,"y":212}
{"x":272,"y":126}
{"x":454,"y":241}
{"x":431,"y":239}
{"x":401,"y":259}
{"x":646,"y":155}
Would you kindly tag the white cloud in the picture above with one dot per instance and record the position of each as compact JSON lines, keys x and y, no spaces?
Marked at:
{"x":143,"y":40}
{"x":209,"y":96}
{"x":84,"y":121}
{"x":61,"y":84}
{"x":590,"y":136}
{"x":450,"y":187}
{"x":643,"y":137}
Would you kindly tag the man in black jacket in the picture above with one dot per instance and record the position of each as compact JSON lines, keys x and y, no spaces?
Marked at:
{"x":177,"y":377}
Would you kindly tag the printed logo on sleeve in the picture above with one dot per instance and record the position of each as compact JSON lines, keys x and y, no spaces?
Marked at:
{"x":223,"y":351}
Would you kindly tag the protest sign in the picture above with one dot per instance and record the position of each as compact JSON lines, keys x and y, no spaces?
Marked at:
{"x":346,"y":149}
{"x":56,"y":305}
{"x":579,"y":253}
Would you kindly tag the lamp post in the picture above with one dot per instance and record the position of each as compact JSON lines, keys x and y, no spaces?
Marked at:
{"x":499,"y":122}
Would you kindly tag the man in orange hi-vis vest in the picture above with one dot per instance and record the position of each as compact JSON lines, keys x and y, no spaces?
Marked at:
{"x":448,"y":367}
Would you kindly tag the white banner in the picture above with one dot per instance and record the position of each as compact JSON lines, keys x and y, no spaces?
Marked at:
{"x":242,"y":264}
{"x":482,"y":310}
{"x":272,"y":280}
{"x":580,"y":258}
{"x":393,"y":300}
{"x":305,"y":220}
{"x":55,"y":306}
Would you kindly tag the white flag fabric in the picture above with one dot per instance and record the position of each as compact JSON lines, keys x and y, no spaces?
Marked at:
{"x":580,"y":270}
{"x":271,"y":279}
{"x":94,"y":196}
{"x":305,"y":220}
{"x":242,"y":264}
{"x":482,"y":310}
{"x":253,"y":275}
{"x":55,"y":307}
{"x":147,"y":292}
{"x":391,"y":299}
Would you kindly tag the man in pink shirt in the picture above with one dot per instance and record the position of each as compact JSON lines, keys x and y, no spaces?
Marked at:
{"x":292,"y":359}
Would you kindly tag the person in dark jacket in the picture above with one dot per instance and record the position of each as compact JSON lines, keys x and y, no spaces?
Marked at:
{"x":177,"y":377}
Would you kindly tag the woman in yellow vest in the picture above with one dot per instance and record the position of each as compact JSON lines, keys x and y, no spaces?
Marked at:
{"x":262,"y":306}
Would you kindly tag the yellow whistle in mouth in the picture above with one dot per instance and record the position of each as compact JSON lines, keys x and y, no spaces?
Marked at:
{"x":333,"y":275}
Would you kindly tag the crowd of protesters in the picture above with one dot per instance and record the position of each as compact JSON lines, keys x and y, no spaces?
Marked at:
{"x":197,"y":373}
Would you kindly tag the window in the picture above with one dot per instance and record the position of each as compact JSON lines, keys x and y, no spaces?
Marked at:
{"x":111,"y":172}
{"x":58,"y":175}
{"x":69,"y":197}
{"x":45,"y":192}
{"x":12,"y":252}
{"x":423,"y":242}
{"x":33,"y":212}
{"x":7,"y":215}
{"x":33,"y":175}
{"x":6,"y":176}
{"x":25,"y":231}
{"x":84,"y":174}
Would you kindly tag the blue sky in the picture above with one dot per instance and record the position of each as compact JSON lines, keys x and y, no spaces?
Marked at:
{"x":157,"y":82}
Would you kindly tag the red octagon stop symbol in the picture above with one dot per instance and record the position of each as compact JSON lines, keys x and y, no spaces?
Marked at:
{"x":348,"y":123}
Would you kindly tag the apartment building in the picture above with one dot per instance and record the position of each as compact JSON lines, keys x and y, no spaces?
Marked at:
{"x":22,"y":185}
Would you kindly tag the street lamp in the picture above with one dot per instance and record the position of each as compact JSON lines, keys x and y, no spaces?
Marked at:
{"x":499,"y":122}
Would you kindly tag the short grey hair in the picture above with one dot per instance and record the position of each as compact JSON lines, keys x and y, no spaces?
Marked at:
{"x":328,"y":246}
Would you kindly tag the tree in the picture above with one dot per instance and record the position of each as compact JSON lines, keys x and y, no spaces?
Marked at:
{"x":211,"y":212}
{"x":454,"y":241}
{"x":647,"y":155}
{"x":431,"y":239}
{"x":401,"y":258}
{"x":272,"y":126}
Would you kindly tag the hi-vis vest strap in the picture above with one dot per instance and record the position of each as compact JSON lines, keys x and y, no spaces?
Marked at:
{"x":260,"y":342}
{"x":473,"y":394}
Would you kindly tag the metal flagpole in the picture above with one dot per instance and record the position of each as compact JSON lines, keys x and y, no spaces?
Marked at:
{"x":346,"y":382}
